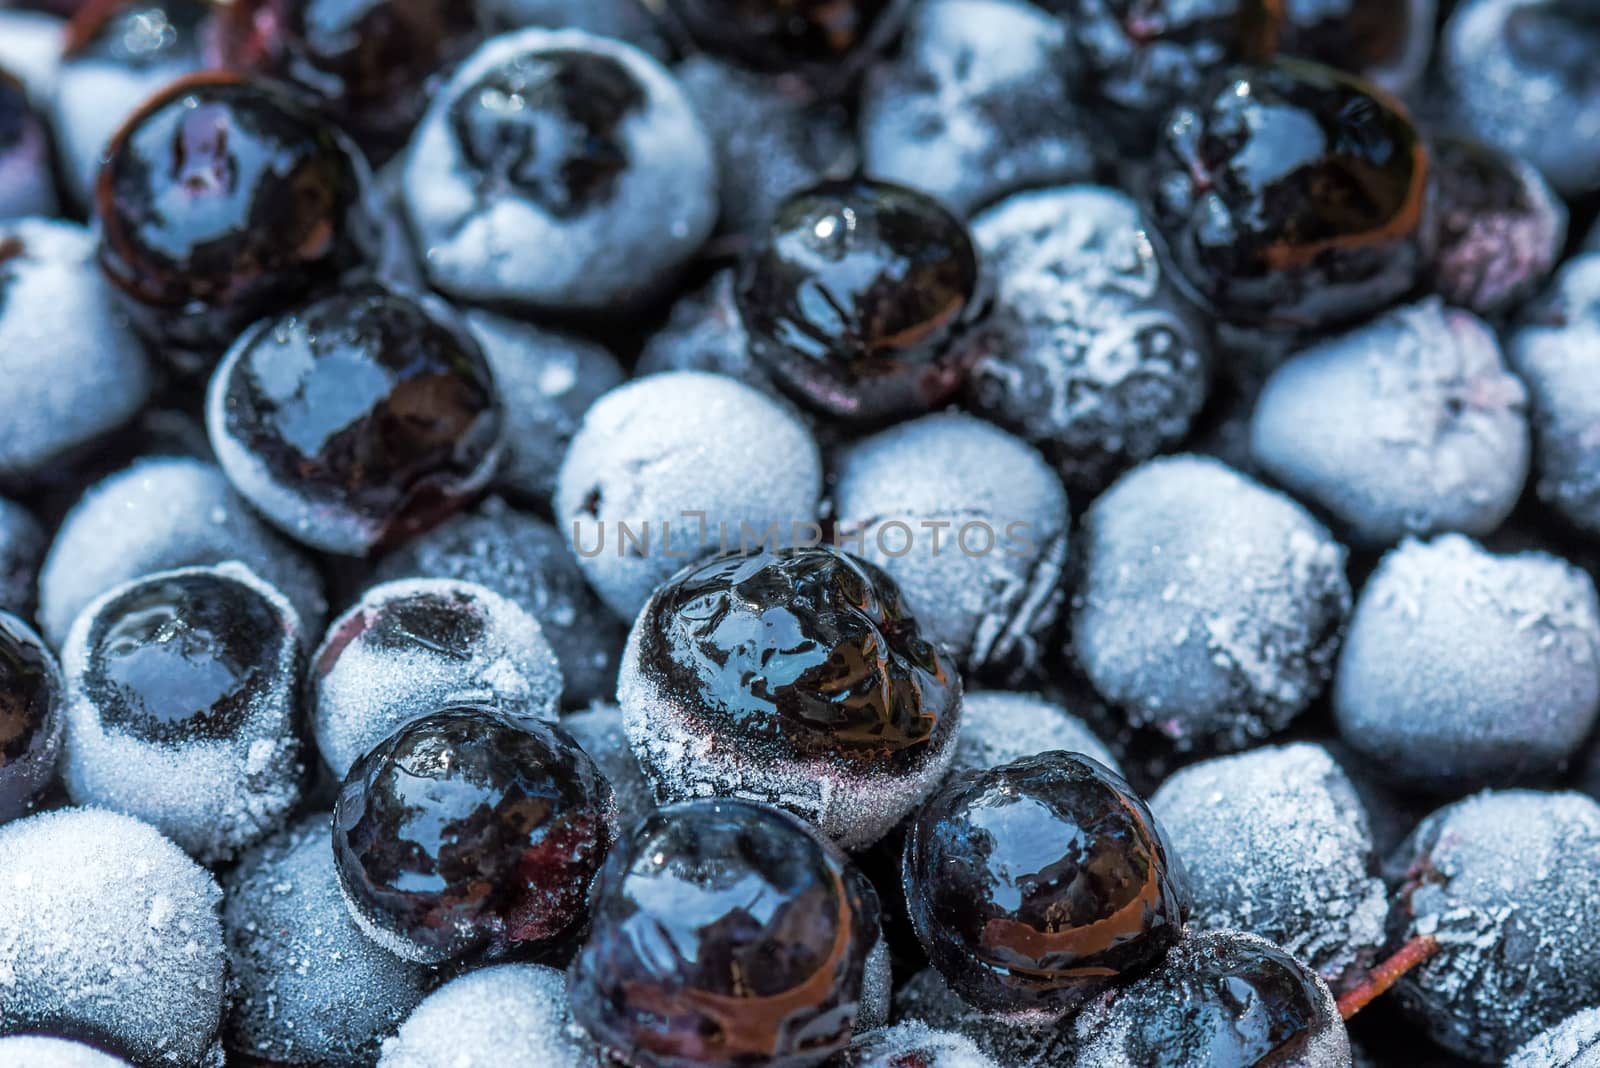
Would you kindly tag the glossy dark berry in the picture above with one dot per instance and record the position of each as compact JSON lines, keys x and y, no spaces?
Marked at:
{"x":1385,"y":41}
{"x":356,"y":420}
{"x":223,"y":200}
{"x":26,"y":184}
{"x":857,"y":296}
{"x":822,"y":38}
{"x":812,"y":684}
{"x":725,"y":934}
{"x":369,"y":60}
{"x":30,"y":716}
{"x":1292,"y":197}
{"x":1033,"y":884}
{"x":463,"y":831}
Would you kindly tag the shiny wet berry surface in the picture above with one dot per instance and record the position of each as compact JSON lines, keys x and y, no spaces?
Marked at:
{"x":30,"y":698}
{"x":1033,"y":884}
{"x":809,"y":649}
{"x":183,"y":658}
{"x":464,"y":831}
{"x":857,"y":296}
{"x":222,"y":200}
{"x":725,"y":933}
{"x":814,"y":35}
{"x":357,"y":420}
{"x":1292,"y":197}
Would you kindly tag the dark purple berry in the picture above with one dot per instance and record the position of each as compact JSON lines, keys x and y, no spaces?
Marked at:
{"x":464,"y":831}
{"x":725,"y":934}
{"x":26,"y":184}
{"x":358,"y":420}
{"x":857,"y":298}
{"x":30,"y":716}
{"x":223,"y":200}
{"x":1034,"y":884}
{"x":824,"y":39}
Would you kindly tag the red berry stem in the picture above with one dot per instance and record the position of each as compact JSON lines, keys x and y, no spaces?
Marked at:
{"x":1386,"y":974}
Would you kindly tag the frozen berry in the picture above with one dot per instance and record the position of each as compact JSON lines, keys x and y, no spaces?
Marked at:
{"x":821,"y":40}
{"x":1037,"y":1041}
{"x":223,"y":200}
{"x":407,"y":647}
{"x":1387,"y":42}
{"x":38,"y":1051}
{"x":27,"y":186}
{"x":725,"y":933}
{"x":858,"y":297}
{"x":490,"y":1018}
{"x":999,"y":727}
{"x":598,"y":731}
{"x":465,"y":831}
{"x":183,"y":706}
{"x":1034,"y":884}
{"x":358,"y":420}
{"x":22,"y":547}
{"x":559,"y":171}
{"x":626,"y":20}
{"x":704,"y":333}
{"x":795,"y":677}
{"x":1572,"y":1043}
{"x":915,"y":1045}
{"x":31,"y":694}
{"x":1292,"y":197}
{"x":1221,"y":998}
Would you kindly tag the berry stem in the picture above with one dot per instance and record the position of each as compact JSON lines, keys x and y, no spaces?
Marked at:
{"x":1386,"y":974}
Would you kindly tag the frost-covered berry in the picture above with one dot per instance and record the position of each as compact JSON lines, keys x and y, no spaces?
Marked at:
{"x":1219,"y":998}
{"x":1275,"y":842}
{"x":546,"y":380}
{"x":356,"y":420}
{"x":27,"y":184}
{"x":1463,"y":668}
{"x":913,"y":1044}
{"x":1096,"y":361}
{"x":158,"y":514}
{"x":71,"y":370}
{"x":1408,"y":424}
{"x":978,"y":558}
{"x":1572,"y":1043}
{"x":671,"y":467}
{"x":799,"y":678}
{"x":559,"y":170}
{"x":626,"y":20}
{"x":704,"y":333}
{"x":410,"y":646}
{"x":1508,"y":883}
{"x":998,"y":727}
{"x":22,"y":547}
{"x":978,"y":102}
{"x":39,"y":1051}
{"x":490,"y":1018}
{"x":527,"y":561}
{"x":1209,"y":607}
{"x":183,"y":706}
{"x":31,"y":696}
{"x":30,"y":48}
{"x":306,"y":987}
{"x":1010,"y":1042}
{"x":111,"y":935}
{"x":598,"y":730}
{"x":1556,"y":350}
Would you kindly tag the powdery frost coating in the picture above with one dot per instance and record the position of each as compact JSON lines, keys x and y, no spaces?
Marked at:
{"x":1012,"y":1042}
{"x":546,"y":381}
{"x":1275,"y":842}
{"x":598,"y":731}
{"x":1557,"y":352}
{"x":1572,"y":1043}
{"x":977,"y":104}
{"x":984,"y":582}
{"x":1462,"y":668}
{"x":663,"y":445}
{"x":1410,"y":424}
{"x":913,"y":1044}
{"x":108,"y":931}
{"x":210,"y":796}
{"x":510,"y":1014}
{"x":484,"y":242}
{"x":1509,"y":884}
{"x":307,"y":987}
{"x":526,"y":560}
{"x":1096,"y":360}
{"x":71,"y":368}
{"x":1210,"y":607}
{"x":156,"y":515}
{"x":33,"y":1051}
{"x":375,"y":672}
{"x":705,"y":333}
{"x":999,"y":727}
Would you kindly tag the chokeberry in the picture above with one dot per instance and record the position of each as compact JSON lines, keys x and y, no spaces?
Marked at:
{"x":357,"y":420}
{"x":30,"y":716}
{"x":825,"y":40}
{"x":725,"y":933}
{"x":1034,"y":884}
{"x":464,"y":831}
{"x":858,"y":296}
{"x":223,"y":200}
{"x":796,"y":677}
{"x":26,"y":184}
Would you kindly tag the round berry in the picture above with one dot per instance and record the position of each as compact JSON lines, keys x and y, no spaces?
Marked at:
{"x":464,"y":831}
{"x":490,"y":1018}
{"x":1572,"y":1043}
{"x":358,"y":420}
{"x":31,"y":693}
{"x":998,"y":727}
{"x":1292,"y":197}
{"x":27,"y":186}
{"x":38,"y":1051}
{"x":824,"y":40}
{"x":1034,"y":884}
{"x":22,"y":548}
{"x":794,"y":677}
{"x":857,"y":299}
{"x":223,"y":200}
{"x":915,"y":1045}
{"x":725,"y":933}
